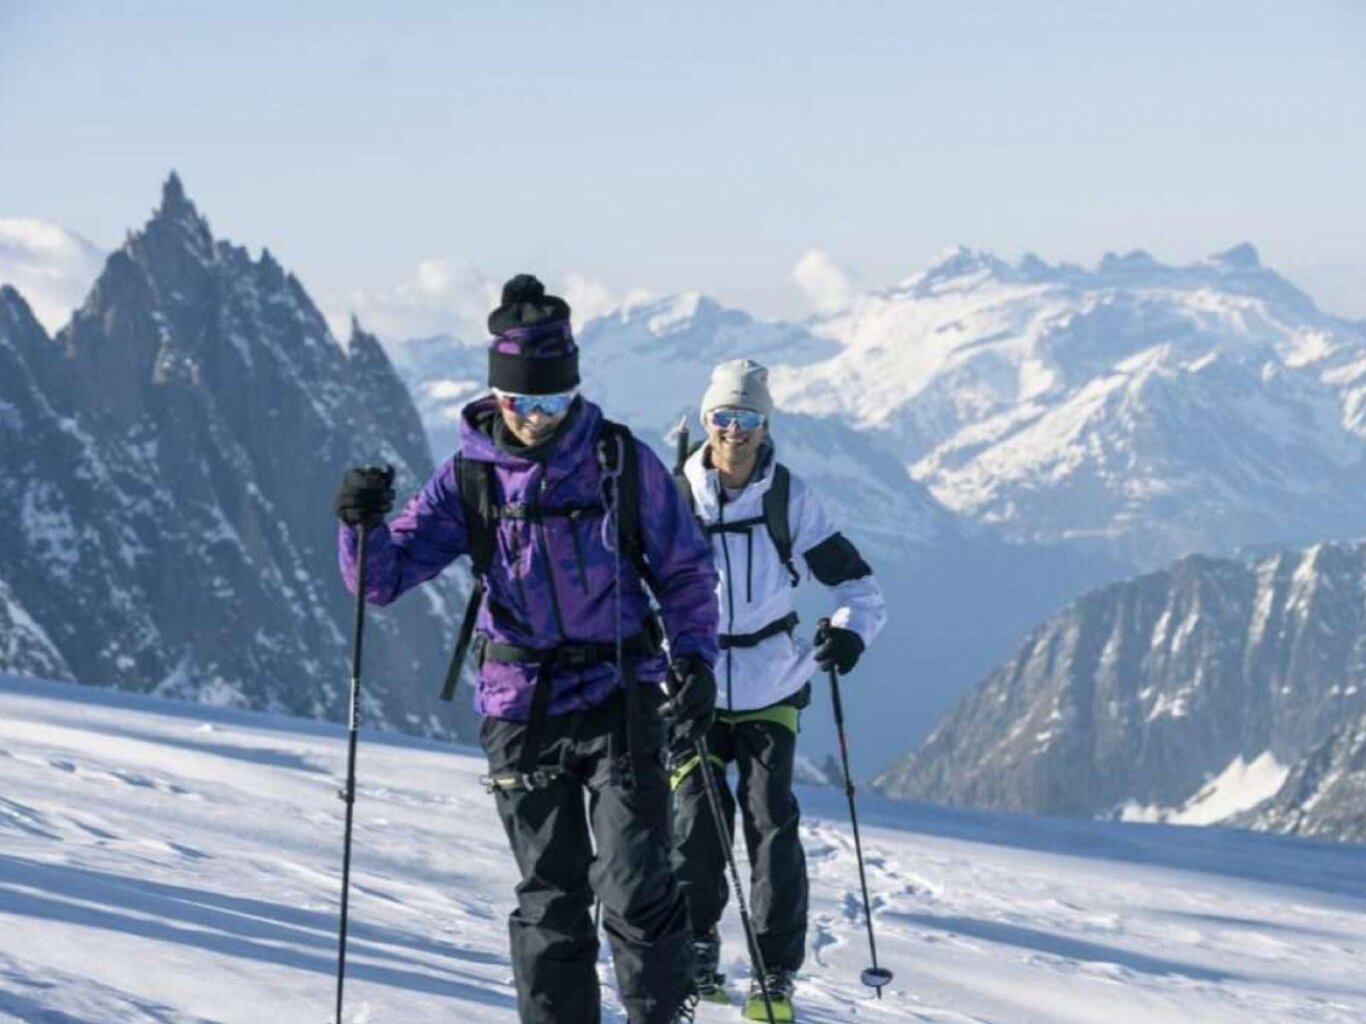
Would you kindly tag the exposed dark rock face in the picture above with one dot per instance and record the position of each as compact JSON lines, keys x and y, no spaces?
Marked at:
{"x":1142,"y":692}
{"x":170,"y":461}
{"x":1325,"y":793}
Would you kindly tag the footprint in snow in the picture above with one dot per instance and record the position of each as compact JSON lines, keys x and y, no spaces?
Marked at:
{"x":823,"y":940}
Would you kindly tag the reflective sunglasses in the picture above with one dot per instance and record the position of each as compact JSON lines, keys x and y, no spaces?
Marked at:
{"x":745,"y":419}
{"x":525,"y":405}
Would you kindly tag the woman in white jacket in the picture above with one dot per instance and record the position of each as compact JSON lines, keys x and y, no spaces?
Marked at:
{"x":765,"y":527}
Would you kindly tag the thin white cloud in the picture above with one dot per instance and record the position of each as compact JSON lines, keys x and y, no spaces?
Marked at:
{"x":440,"y":297}
{"x":51,"y":267}
{"x":828,"y":287}
{"x":445,"y":297}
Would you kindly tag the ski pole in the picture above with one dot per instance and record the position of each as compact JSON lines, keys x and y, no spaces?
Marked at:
{"x":874,"y":977}
{"x":723,"y":833}
{"x":349,"y":793}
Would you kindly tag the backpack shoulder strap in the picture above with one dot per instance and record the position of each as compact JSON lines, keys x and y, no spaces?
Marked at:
{"x":474,"y":480}
{"x":618,"y":442}
{"x":683,"y":451}
{"x":777,"y":521}
{"x":684,"y":485}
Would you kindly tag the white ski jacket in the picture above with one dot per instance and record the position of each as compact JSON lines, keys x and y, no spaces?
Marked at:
{"x":756,"y":589}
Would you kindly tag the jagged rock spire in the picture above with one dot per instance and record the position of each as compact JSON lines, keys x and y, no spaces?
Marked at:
{"x":173,"y":194}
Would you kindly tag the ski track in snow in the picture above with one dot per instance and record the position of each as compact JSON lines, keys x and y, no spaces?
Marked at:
{"x":164,"y":863}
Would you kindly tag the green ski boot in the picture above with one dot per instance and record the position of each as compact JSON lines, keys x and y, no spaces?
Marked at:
{"x":780,"y":986}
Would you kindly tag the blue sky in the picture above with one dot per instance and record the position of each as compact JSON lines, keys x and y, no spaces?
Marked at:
{"x":701,"y":145}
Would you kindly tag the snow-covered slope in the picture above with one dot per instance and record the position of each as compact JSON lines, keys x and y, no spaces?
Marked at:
{"x":166,"y":863}
{"x":1162,"y":410}
{"x":53,"y":267}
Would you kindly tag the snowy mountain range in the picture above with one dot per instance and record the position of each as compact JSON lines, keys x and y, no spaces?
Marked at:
{"x":170,"y":459}
{"x":1187,"y":695}
{"x":1157,"y":410}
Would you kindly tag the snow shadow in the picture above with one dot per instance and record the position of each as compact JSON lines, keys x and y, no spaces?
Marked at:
{"x":242,"y":927}
{"x":267,"y":757}
{"x":1053,"y":944}
{"x":87,"y":695}
{"x":1285,"y":862}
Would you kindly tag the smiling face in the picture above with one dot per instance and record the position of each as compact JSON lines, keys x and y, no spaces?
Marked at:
{"x":734,"y":436}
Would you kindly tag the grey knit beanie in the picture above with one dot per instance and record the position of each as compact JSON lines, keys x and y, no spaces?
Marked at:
{"x":741,"y":384}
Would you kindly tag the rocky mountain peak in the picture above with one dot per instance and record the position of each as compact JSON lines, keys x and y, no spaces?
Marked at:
{"x":175,"y":230}
{"x":171,"y":478}
{"x":958,"y":262}
{"x":1241,"y":257}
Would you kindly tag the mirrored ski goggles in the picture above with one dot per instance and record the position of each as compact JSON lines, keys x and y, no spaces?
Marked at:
{"x":745,"y":419}
{"x":525,"y":405}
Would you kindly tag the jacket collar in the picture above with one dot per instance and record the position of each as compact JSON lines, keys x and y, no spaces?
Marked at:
{"x":570,"y":448}
{"x":706,"y":482}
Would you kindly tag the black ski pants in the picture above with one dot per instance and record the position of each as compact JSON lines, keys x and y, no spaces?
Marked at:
{"x":763,"y":752}
{"x":554,"y":943}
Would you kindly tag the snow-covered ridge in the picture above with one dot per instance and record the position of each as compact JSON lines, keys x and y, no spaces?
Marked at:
{"x":1158,"y":410}
{"x":167,"y":863}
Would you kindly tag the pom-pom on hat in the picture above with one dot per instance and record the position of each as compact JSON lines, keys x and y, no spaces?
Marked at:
{"x":533,"y":350}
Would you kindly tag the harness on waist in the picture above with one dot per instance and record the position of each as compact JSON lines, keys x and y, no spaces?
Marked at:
{"x":569,"y":655}
{"x":787,"y":624}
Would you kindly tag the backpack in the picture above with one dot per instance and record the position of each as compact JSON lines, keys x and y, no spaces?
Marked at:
{"x":775,"y":506}
{"x":617,"y":457}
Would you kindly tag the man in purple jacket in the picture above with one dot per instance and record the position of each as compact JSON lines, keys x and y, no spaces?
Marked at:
{"x":570,"y":663}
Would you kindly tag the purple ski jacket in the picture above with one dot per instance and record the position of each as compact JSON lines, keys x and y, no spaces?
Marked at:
{"x":552,"y":580}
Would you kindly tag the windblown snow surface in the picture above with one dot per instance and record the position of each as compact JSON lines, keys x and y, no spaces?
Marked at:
{"x":165,"y":863}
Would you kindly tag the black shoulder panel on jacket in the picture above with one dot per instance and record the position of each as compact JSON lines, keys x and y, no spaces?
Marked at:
{"x":836,"y":560}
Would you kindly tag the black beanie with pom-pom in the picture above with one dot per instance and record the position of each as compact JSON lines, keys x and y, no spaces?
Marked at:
{"x":533,"y":350}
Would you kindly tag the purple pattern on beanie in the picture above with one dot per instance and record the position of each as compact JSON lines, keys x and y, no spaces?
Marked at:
{"x":541,"y":341}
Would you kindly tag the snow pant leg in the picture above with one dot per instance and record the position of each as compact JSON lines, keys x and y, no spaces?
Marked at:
{"x":764,"y":754}
{"x":644,"y":913}
{"x":554,"y":946}
{"x":698,"y":857}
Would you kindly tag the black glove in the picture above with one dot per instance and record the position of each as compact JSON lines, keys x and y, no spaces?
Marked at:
{"x":366,"y":495}
{"x":837,"y":648}
{"x":692,"y":700}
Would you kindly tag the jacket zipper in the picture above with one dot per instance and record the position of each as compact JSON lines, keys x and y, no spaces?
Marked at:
{"x":749,"y":565}
{"x":515,"y":555}
{"x":578,"y":551}
{"x":549,"y":562}
{"x":730,"y":597}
